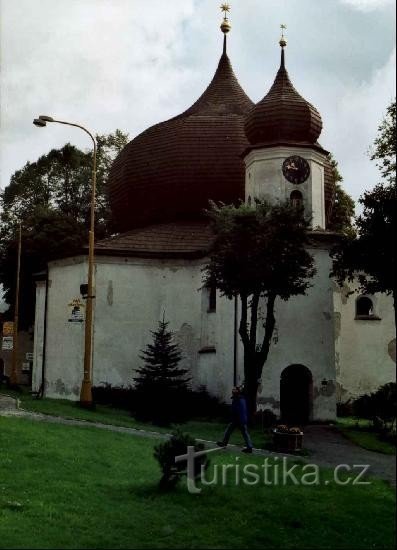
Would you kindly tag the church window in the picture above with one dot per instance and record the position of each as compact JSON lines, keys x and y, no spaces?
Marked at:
{"x":296,"y":199}
{"x":249,"y":200}
{"x":365,"y":308}
{"x":211,"y":298}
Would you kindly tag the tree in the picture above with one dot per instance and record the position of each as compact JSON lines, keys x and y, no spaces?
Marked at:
{"x":384,"y":148}
{"x":61,"y":181}
{"x":259,"y":253}
{"x":160,"y":383}
{"x":51,"y":197}
{"x":343,"y":207}
{"x":370,"y":257}
{"x":46,"y":235}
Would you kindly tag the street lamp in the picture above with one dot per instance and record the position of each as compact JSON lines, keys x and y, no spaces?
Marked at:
{"x":86,"y":385}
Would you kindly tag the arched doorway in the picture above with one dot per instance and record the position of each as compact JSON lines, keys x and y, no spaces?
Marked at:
{"x":296,"y":394}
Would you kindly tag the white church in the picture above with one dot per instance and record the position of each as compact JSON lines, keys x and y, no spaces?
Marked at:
{"x":327,"y":347}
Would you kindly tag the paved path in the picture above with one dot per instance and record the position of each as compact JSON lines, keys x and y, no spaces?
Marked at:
{"x":327,"y":446}
{"x":7,"y":403}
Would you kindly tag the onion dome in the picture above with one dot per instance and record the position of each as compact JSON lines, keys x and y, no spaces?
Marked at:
{"x":283,"y":116}
{"x":172,"y":170}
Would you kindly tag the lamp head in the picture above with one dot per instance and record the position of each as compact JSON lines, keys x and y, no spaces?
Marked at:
{"x":39,"y":123}
{"x":46,"y":118}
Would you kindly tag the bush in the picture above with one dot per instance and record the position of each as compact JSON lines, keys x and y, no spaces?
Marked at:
{"x":379,"y":407}
{"x":266,"y":418}
{"x":119,"y":397}
{"x":344,"y":409}
{"x":165,"y":454}
{"x":164,"y":408}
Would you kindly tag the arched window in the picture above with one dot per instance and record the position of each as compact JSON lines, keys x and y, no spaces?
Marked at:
{"x":296,"y":199}
{"x":364,"y":307}
{"x":249,"y":201}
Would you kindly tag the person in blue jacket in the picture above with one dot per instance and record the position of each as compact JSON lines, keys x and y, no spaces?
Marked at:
{"x":239,"y":420}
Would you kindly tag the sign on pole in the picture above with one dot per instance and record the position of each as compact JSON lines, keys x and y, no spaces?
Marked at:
{"x":76,"y":314}
{"x":7,"y":343}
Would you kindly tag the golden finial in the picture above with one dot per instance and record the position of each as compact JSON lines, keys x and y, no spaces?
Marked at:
{"x":283,"y":42}
{"x":225,"y":25}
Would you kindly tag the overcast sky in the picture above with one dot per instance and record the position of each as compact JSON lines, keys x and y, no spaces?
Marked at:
{"x":131,"y":63}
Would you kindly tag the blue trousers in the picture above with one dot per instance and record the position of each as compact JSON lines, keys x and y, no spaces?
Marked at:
{"x":244,"y":432}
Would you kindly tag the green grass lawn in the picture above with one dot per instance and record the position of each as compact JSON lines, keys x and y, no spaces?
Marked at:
{"x":73,"y":487}
{"x":364,"y":436}
{"x":209,"y":430}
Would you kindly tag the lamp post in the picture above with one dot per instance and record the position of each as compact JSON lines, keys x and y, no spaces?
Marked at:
{"x":86,"y":384}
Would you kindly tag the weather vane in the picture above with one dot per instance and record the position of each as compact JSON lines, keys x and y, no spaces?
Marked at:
{"x":283,"y":42}
{"x":225,"y":8}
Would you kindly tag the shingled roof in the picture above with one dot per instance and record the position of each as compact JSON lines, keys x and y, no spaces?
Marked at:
{"x":283,"y":115}
{"x":170,"y":171}
{"x":172,"y":240}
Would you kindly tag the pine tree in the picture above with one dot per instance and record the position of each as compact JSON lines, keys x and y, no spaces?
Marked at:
{"x":161,"y":385}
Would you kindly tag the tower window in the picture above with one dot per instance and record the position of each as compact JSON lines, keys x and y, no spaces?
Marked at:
{"x":296,"y":199}
{"x":365,"y":308}
{"x":249,"y":201}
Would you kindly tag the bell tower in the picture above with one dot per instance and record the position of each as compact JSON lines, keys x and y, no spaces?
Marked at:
{"x":284,"y":161}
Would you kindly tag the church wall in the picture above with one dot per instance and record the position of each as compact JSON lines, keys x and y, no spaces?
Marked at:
{"x":131,"y":296}
{"x":65,"y":339}
{"x":365,"y":349}
{"x":304,"y":335}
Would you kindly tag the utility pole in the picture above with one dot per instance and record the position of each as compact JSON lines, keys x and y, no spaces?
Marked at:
{"x":13,"y":376}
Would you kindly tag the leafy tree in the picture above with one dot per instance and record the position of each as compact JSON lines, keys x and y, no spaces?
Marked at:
{"x":160,"y":383}
{"x":370,"y":257}
{"x":51,"y":197}
{"x":61,"y":181}
{"x":384,"y":148}
{"x":259,"y":252}
{"x":46,"y":235}
{"x":343,"y":207}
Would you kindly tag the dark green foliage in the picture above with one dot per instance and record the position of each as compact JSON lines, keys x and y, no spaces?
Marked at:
{"x":194,"y":404}
{"x":165,"y":454}
{"x":384,"y":149}
{"x":343,"y":207}
{"x":46,"y":235}
{"x":259,"y":252}
{"x":266,"y":418}
{"x":118,"y":397}
{"x":161,"y":386}
{"x":51,"y":198}
{"x":380,"y":407}
{"x":370,"y":256}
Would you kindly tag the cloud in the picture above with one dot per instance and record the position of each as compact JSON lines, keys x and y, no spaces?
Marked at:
{"x":131,"y":63}
{"x":368,"y":5}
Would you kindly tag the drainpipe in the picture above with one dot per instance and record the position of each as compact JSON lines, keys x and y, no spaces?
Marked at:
{"x":235,"y":341}
{"x":40,"y":393}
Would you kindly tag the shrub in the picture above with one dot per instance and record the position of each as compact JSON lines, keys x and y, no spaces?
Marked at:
{"x":379,"y":407}
{"x":166,"y":452}
{"x":266,"y":418}
{"x":181,"y":406}
{"x":344,"y":409}
{"x":119,"y":397}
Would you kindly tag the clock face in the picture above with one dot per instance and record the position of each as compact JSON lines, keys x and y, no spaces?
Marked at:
{"x":296,"y":169}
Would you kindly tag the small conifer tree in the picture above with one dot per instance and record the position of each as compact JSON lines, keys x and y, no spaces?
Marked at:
{"x":160,"y":384}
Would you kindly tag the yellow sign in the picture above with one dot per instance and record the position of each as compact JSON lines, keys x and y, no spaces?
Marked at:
{"x":8,"y":328}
